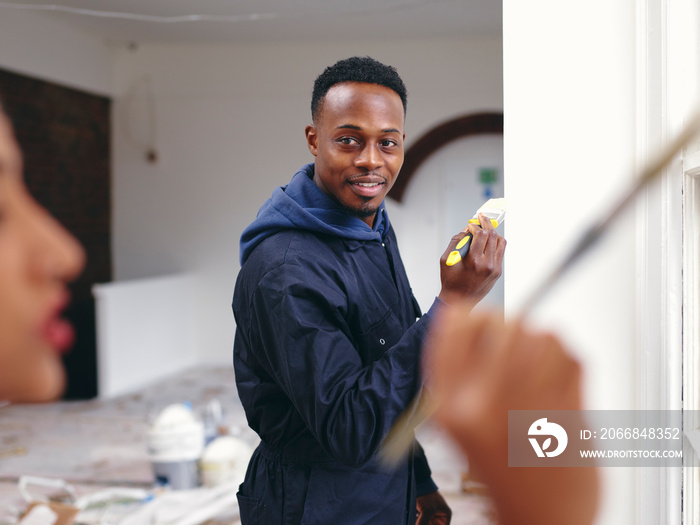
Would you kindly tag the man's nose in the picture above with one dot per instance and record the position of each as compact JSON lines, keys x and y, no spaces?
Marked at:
{"x":370,"y":158}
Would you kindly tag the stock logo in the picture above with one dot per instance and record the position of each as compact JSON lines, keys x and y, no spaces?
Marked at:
{"x":541,"y":428}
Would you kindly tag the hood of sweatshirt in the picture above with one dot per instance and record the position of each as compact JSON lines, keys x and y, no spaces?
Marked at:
{"x":301,"y":205}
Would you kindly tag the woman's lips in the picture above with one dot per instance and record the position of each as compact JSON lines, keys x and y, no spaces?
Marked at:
{"x":58,"y":332}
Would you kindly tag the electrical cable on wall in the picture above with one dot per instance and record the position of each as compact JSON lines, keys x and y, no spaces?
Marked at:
{"x":144,"y":86}
{"x":249,"y":17}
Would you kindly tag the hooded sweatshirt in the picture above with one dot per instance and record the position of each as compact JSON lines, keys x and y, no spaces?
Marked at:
{"x":301,"y":205}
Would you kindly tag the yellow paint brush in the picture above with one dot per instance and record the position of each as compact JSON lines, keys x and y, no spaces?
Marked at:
{"x":492,"y":209}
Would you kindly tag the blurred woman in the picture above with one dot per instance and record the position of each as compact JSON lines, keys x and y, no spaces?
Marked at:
{"x":37,"y":258}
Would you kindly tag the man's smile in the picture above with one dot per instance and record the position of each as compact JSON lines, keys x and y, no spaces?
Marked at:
{"x":367,"y":186}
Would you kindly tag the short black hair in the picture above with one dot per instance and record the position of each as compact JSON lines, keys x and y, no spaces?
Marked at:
{"x":356,"y":69}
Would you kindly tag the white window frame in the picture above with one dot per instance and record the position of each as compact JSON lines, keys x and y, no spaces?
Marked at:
{"x":691,"y":321}
{"x":668,"y":240}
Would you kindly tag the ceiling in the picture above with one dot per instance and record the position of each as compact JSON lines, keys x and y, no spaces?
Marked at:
{"x":259,"y":21}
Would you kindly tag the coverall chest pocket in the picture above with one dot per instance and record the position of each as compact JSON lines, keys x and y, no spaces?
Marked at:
{"x":377,"y":338}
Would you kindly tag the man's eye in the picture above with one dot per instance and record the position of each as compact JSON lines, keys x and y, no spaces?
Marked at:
{"x":347,"y":140}
{"x":388,"y":143}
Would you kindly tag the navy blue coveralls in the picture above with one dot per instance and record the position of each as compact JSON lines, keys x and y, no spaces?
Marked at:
{"x":326,"y":357}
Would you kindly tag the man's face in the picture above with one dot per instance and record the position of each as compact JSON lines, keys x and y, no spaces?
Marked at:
{"x":357,"y":140}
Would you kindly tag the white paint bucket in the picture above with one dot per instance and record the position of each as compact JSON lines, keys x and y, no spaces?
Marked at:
{"x":175,"y":445}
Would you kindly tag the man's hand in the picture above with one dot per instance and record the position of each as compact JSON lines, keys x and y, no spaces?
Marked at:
{"x":433,"y":510}
{"x":474,"y":276}
{"x":479,"y":369}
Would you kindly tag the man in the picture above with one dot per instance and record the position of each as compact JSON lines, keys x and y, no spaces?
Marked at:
{"x":328,"y":350}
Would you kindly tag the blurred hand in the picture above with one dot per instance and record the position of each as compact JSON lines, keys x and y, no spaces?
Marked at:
{"x":479,"y":368}
{"x":473,"y":277}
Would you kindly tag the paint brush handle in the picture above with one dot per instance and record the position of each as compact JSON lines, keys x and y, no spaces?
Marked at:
{"x":460,"y":251}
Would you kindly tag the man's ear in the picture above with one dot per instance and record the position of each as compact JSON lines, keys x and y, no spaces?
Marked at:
{"x":311,"y":139}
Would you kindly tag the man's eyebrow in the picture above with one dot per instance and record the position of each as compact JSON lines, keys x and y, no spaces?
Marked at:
{"x":358,"y":128}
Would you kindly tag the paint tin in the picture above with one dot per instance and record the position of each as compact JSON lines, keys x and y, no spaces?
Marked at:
{"x":175,"y":445}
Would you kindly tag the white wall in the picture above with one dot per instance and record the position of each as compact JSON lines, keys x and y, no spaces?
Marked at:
{"x":569,"y":96}
{"x":145,"y":332}
{"x":230,"y":127}
{"x":37,"y":45}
